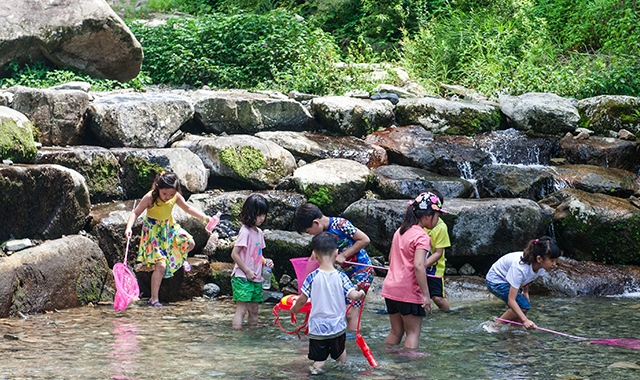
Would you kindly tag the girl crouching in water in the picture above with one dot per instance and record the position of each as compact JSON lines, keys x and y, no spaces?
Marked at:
{"x":509,"y":278}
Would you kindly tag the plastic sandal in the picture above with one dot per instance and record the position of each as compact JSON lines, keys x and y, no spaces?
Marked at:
{"x":155,"y":304}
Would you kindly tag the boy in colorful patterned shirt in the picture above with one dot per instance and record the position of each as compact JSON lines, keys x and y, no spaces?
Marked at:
{"x":351,"y":242}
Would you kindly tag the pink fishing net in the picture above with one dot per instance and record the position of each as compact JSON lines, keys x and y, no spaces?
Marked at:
{"x":624,"y":342}
{"x":127,"y":288}
{"x":303,"y":267}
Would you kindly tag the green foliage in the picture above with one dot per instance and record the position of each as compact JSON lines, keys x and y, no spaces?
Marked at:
{"x":322,"y":197}
{"x":244,"y":160}
{"x":243,"y":50}
{"x":40,"y":74}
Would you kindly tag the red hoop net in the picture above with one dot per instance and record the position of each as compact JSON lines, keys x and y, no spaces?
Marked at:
{"x":126,"y":286}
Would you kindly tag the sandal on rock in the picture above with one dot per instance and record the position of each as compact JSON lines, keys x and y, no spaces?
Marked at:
{"x":155,"y":304}
{"x":186,"y":266}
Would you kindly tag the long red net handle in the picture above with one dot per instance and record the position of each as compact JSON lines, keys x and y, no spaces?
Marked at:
{"x":126,"y":251}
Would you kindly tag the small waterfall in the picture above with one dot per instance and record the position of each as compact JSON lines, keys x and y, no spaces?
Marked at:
{"x":466,"y":173}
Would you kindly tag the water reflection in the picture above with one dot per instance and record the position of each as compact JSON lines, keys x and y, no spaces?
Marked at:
{"x":124,"y":350}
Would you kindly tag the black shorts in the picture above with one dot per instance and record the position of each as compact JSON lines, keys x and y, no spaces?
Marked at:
{"x":319,"y":349}
{"x":404,"y":308}
{"x":436,"y":286}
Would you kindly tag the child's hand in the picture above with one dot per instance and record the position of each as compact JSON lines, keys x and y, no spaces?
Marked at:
{"x":268,"y":262}
{"x":340,"y":259}
{"x":251,"y":275}
{"x":426,"y":303}
{"x":529,"y":325}
{"x":128,"y":233}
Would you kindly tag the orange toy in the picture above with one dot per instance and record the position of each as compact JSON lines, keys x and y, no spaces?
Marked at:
{"x":286,"y":303}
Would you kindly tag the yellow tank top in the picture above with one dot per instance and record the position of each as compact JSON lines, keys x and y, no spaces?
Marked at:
{"x":161,"y":210}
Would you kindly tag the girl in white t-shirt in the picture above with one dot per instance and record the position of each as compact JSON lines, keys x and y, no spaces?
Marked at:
{"x":246,"y":278}
{"x":509,"y":278}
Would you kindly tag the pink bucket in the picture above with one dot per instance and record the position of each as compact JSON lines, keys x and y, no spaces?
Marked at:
{"x":303,"y":267}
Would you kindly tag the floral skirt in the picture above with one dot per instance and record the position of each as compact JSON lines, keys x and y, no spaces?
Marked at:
{"x":164,"y":240}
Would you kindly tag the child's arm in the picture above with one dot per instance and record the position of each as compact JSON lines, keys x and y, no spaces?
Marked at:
{"x":145,"y":202}
{"x":300,"y":302}
{"x":361,"y":241}
{"x":235,"y":255}
{"x":356,"y":294}
{"x":421,"y":277}
{"x":525,"y":292}
{"x":437,"y":254}
{"x":190,"y":209}
{"x":528,"y":324}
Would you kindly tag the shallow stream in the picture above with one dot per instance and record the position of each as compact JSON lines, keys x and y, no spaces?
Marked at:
{"x":193,"y":340}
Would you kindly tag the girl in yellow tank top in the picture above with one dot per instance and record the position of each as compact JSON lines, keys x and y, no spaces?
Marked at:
{"x":163,"y":242}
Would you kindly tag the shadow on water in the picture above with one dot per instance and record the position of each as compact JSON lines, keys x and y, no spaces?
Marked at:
{"x":193,"y":340}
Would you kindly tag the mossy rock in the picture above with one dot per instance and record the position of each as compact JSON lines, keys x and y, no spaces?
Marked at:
{"x":17,"y":143}
{"x":242,"y":160}
{"x":138,"y":176}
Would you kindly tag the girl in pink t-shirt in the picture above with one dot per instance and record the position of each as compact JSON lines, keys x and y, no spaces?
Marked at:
{"x":405,"y":288}
{"x":246,"y":278}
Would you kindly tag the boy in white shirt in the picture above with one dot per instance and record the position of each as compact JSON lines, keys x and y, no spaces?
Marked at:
{"x":327,"y":288}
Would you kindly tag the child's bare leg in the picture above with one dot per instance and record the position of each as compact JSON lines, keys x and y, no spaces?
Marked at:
{"x":238,"y":317}
{"x":352,"y":319}
{"x":442,"y":303}
{"x":510,"y":315}
{"x":252,"y":308}
{"x":412,"y":325}
{"x":156,"y":280}
{"x":397,"y":329}
{"x":316,"y":367}
{"x":343,"y":357}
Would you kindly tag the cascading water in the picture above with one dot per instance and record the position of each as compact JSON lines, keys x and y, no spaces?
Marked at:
{"x":466,"y":173}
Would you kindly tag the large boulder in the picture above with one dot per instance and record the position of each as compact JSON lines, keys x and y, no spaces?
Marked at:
{"x":595,"y":227}
{"x":16,"y":137}
{"x":453,"y":156}
{"x":333,"y":183}
{"x":97,"y":165}
{"x":352,"y":116}
{"x":515,"y":181}
{"x":58,"y":274}
{"x":395,"y":181}
{"x":244,"y":112}
{"x":241,"y":160}
{"x":138,"y":120}
{"x":42,"y":201}
{"x":59,"y":115}
{"x":601,"y":151}
{"x":604,"y":113}
{"x":481,"y":230}
{"x":83,"y":34}
{"x":140,"y":166}
{"x":596,"y":179}
{"x":281,"y":246}
{"x":540,"y":112}
{"x":445,"y":116}
{"x":181,"y":286}
{"x":310,"y":147}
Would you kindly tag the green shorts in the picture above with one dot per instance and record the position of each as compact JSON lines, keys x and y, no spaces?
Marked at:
{"x":245,"y":290}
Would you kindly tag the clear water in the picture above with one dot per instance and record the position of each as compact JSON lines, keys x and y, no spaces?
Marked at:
{"x":193,"y":340}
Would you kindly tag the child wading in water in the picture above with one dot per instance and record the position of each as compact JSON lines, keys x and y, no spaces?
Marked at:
{"x":351,"y":242}
{"x":405,"y":288}
{"x":246,"y":278}
{"x":163,"y":242}
{"x":328,"y":289}
{"x":439,"y":235}
{"x":516,"y":270}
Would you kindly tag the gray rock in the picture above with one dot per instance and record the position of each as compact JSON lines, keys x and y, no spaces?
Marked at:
{"x":397,"y":91}
{"x":211,"y":290}
{"x":83,"y":34}
{"x":138,"y":120}
{"x":241,"y":112}
{"x":241,"y":159}
{"x":334,"y":182}
{"x":75,"y":85}
{"x":605,"y":112}
{"x":59,"y":115}
{"x":351,"y":116}
{"x":57,"y":274}
{"x":517,"y":147}
{"x":601,"y":151}
{"x":310,"y":147}
{"x":271,"y":296}
{"x":17,"y":245}
{"x":467,"y":270}
{"x":596,"y":179}
{"x":444,"y":116}
{"x":515,"y":181}
{"x":42,"y":201}
{"x":394,"y":181}
{"x":540,"y":112}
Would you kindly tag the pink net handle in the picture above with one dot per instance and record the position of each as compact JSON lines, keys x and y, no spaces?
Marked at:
{"x":303,"y":267}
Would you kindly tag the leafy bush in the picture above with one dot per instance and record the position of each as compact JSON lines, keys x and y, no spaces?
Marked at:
{"x":40,"y":74}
